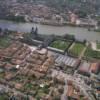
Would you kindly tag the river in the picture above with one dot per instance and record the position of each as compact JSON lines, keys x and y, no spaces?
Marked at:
{"x":80,"y":33}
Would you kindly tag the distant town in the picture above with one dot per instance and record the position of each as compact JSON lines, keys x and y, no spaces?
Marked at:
{"x":40,"y":12}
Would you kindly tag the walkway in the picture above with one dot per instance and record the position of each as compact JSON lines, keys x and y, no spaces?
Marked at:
{"x":94,"y":46}
{"x":82,"y":53}
{"x":64,"y":95}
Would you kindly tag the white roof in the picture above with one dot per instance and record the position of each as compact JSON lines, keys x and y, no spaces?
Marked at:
{"x":17,"y":66}
{"x":42,"y":51}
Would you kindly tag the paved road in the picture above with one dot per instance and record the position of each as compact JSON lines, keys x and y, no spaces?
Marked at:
{"x":94,"y":46}
{"x":64,"y":97}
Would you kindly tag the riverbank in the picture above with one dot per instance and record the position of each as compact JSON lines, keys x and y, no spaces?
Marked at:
{"x":65,"y":23}
{"x":17,"y":19}
{"x":79,"y":32}
{"x":21,"y":19}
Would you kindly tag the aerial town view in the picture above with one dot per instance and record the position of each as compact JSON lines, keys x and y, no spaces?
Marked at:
{"x":49,"y":49}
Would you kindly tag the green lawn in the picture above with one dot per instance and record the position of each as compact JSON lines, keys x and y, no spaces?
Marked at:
{"x":4,"y":42}
{"x":3,"y":97}
{"x":77,"y":49}
{"x":1,"y":75}
{"x":29,"y":86}
{"x":59,"y":44}
{"x":98,"y":45}
{"x":92,"y":54}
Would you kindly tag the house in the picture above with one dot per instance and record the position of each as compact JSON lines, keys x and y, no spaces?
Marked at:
{"x":16,"y":61}
{"x":69,"y":61}
{"x":8,"y":76}
{"x":9,"y":66}
{"x":98,"y":93}
{"x":95,"y":67}
{"x":2,"y":64}
{"x":84,"y":68}
{"x":18,"y":86}
{"x":73,"y":18}
{"x":72,"y":93}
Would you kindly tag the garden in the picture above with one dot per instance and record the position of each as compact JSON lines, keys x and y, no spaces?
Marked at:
{"x":77,"y":49}
{"x":4,"y":97}
{"x":92,"y":54}
{"x":60,"y":44}
{"x":98,"y":45}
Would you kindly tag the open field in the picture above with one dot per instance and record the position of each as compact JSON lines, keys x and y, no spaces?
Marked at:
{"x":3,"y":97}
{"x":59,"y":44}
{"x":92,"y":54}
{"x":77,"y":49}
{"x":98,"y":45}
